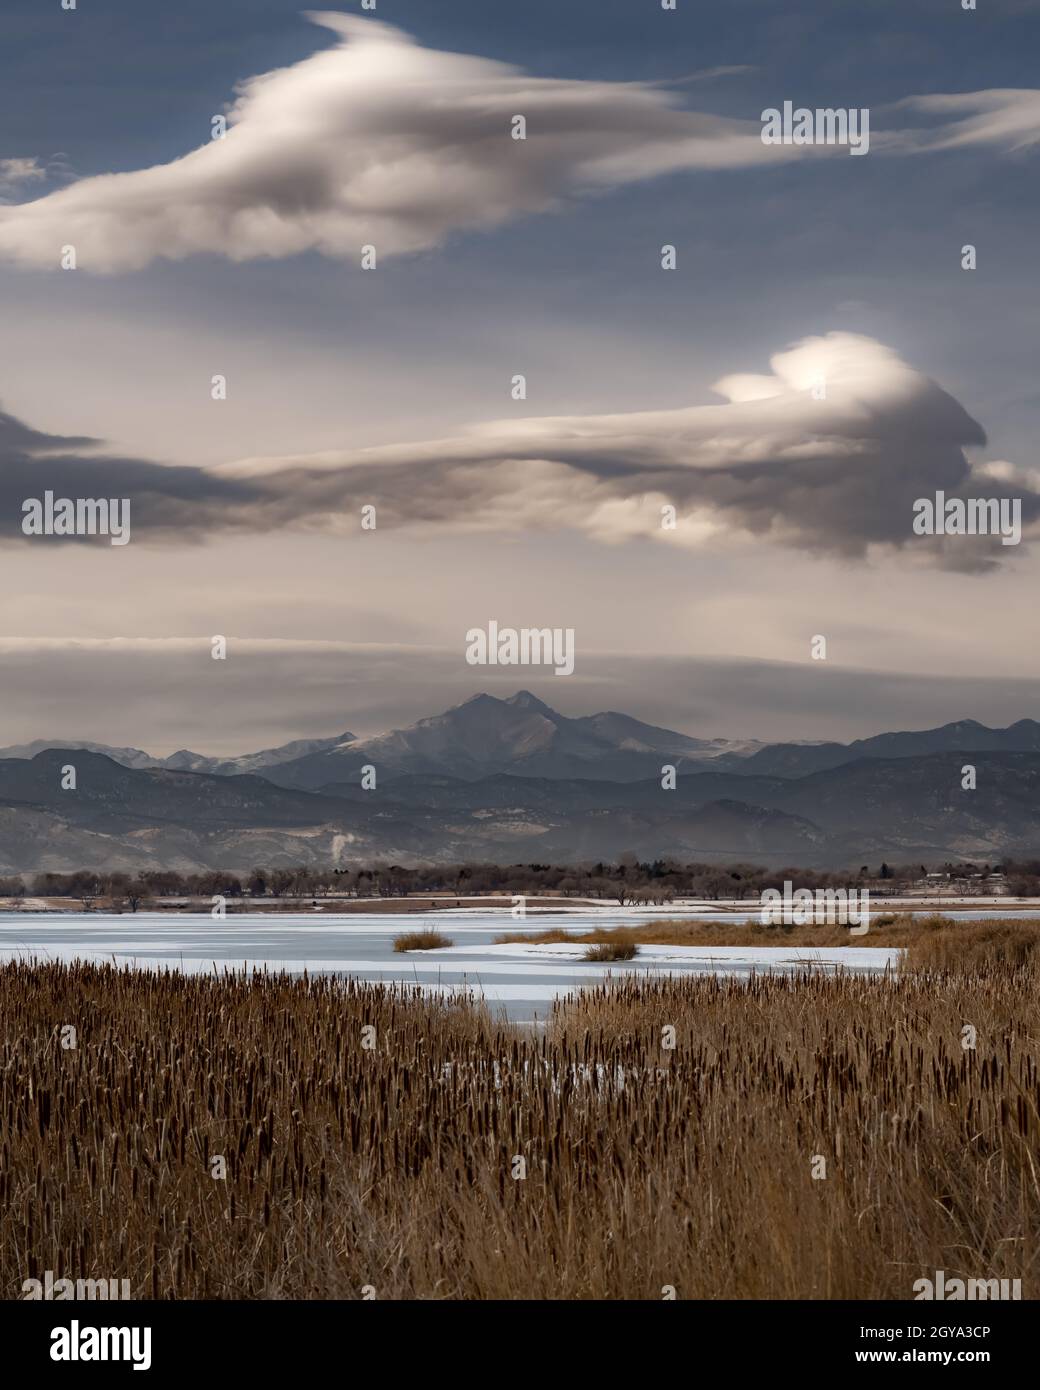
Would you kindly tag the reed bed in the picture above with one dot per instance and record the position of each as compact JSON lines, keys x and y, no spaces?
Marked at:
{"x":939,"y":943}
{"x":657,"y":1134}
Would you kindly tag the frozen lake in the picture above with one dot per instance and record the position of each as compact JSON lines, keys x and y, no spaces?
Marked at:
{"x":521,"y":979}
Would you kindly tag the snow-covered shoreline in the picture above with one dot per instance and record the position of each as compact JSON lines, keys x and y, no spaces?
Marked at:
{"x":694,"y":959}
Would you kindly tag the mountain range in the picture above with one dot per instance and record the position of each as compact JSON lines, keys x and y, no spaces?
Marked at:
{"x":513,"y":780}
{"x":523,"y":735}
{"x":185,"y":760}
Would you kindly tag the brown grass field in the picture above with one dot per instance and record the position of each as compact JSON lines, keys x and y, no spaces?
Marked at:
{"x":391,"y":1159}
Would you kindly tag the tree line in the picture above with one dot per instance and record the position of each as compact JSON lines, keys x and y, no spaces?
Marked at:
{"x":628,"y":880}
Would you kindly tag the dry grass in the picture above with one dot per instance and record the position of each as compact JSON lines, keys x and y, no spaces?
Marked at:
{"x":889,"y":929}
{"x":611,"y":950}
{"x":421,"y":941}
{"x":941,"y":944}
{"x":718,"y":933}
{"x":387,"y":1159}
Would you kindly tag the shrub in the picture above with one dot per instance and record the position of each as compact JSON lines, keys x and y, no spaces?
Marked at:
{"x":421,"y":941}
{"x":611,"y":950}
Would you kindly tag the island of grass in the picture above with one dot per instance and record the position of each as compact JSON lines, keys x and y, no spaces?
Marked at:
{"x":612,"y":950}
{"x":428,"y":940}
{"x":936,"y":941}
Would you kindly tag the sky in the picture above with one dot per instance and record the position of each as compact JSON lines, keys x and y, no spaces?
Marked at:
{"x":817,"y":361}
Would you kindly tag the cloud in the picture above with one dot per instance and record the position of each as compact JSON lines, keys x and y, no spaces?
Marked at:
{"x":14,"y":173}
{"x":827,"y":452}
{"x":1007,"y":117}
{"x":165,"y":500}
{"x":376,"y":140}
{"x":380,"y":141}
{"x":151,"y":694}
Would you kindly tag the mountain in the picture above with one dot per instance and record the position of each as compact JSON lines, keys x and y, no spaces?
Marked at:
{"x":901,"y":809}
{"x":485,"y":735}
{"x":799,"y":759}
{"x":133,"y":819}
{"x":514,"y":780}
{"x":128,"y":757}
{"x":523,"y":736}
{"x":920,"y":808}
{"x":184,"y":760}
{"x":129,"y":818}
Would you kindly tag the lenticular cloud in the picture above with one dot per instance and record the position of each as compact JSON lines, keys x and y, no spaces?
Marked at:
{"x":379,"y":141}
{"x":375,"y":141}
{"x":827,"y":452}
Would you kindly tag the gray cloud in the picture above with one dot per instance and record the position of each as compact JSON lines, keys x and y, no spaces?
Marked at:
{"x":166,"y":695}
{"x":827,"y":453}
{"x":834,"y":474}
{"x":166,"y":501}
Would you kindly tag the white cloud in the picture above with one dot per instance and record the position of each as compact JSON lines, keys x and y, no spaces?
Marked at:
{"x":15,"y":173}
{"x":380,"y":141}
{"x":1008,"y":117}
